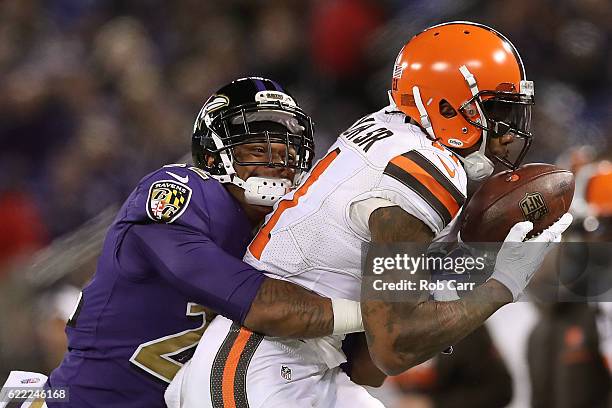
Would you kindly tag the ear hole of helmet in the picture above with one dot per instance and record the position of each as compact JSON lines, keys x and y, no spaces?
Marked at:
{"x":446,"y":109}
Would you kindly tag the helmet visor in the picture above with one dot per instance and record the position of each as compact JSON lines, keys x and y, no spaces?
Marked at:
{"x":507,"y":113}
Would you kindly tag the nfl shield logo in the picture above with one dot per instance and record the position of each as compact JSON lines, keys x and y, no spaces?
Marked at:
{"x":533,"y":206}
{"x":286,"y":373}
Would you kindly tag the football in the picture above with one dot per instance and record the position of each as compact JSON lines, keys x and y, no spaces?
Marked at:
{"x":537,"y":192}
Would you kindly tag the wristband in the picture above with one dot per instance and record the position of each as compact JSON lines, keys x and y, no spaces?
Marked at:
{"x":347,"y":316}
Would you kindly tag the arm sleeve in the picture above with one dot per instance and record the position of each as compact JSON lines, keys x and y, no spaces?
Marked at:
{"x":360,"y":211}
{"x":196,"y":266}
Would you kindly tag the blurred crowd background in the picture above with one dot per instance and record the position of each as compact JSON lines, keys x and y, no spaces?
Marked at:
{"x":94,"y":94}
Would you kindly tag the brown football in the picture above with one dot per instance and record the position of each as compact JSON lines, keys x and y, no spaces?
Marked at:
{"x":537,"y":192}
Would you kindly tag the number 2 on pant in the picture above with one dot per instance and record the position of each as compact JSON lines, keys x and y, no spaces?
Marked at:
{"x":155,"y":357}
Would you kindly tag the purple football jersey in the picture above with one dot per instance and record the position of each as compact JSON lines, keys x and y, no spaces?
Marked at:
{"x":176,"y":244}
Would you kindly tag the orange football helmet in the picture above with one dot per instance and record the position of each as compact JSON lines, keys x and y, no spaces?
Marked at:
{"x":592,"y":201}
{"x":594,"y":188}
{"x":599,"y":191}
{"x":462,"y":81}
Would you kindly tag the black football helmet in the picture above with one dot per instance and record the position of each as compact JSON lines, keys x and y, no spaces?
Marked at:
{"x":251,"y":110}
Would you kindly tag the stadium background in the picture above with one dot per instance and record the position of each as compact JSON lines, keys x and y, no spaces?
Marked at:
{"x":96,"y":93}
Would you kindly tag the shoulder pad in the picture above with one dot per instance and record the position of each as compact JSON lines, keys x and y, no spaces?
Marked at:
{"x":170,"y":190}
{"x":172,"y":195}
{"x":434,"y":177}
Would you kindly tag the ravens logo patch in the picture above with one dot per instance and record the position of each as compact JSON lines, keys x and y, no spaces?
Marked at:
{"x":167,"y":200}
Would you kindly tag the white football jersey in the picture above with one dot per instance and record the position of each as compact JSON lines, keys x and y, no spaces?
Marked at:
{"x":313,"y":238}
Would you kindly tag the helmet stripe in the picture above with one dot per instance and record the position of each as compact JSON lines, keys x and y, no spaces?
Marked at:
{"x":269,"y":84}
{"x":259,"y":84}
{"x":277,"y":86}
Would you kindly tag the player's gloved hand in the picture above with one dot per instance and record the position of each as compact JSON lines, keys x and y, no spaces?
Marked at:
{"x":517,"y":261}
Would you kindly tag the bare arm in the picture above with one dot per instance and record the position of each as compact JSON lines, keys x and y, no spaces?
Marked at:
{"x":283,"y":309}
{"x":402,"y":334}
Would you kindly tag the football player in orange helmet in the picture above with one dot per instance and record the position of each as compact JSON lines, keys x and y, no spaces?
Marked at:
{"x":592,"y":203}
{"x":572,"y":291}
{"x":464,"y":84}
{"x":594,"y":207}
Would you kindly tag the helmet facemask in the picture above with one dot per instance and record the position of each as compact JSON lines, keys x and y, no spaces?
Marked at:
{"x":266,"y":126}
{"x":498,"y":113}
{"x":257,"y":123}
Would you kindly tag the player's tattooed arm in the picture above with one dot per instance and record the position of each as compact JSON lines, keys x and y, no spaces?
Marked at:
{"x":405,"y":328}
{"x":284,"y":309}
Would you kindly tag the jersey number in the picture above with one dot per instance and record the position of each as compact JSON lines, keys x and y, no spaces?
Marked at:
{"x":160,"y":357}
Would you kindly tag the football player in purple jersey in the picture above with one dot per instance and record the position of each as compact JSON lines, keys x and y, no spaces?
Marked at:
{"x":174,"y":251}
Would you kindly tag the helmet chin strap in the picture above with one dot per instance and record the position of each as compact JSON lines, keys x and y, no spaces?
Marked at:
{"x":477,"y":165}
{"x":264,"y":191}
{"x":425,"y":122}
